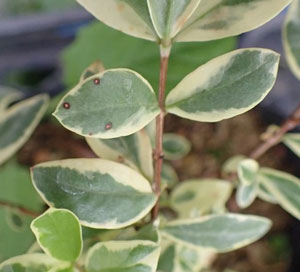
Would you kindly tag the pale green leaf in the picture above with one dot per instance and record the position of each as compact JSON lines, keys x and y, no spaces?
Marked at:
{"x":129,"y":16}
{"x":246,"y":194}
{"x":7,"y":96}
{"x":231,"y":165}
{"x":169,"y":16}
{"x":134,"y":150}
{"x":175,"y":146}
{"x":197,"y":197}
{"x":121,"y":256}
{"x":102,"y":194}
{"x":292,"y":141}
{"x":111,"y":104}
{"x":169,"y":176}
{"x":226,"y":86}
{"x":265,"y":195}
{"x":291,"y":40}
{"x":216,"y":19}
{"x":284,"y":187}
{"x":29,"y":263}
{"x":221,"y":233}
{"x":59,"y":234}
{"x":18,"y":122}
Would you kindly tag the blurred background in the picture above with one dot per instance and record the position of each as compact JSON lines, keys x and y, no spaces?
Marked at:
{"x":44,"y":47}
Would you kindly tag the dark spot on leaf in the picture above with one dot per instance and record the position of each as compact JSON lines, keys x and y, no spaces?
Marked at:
{"x":90,"y":134}
{"x":121,"y":159}
{"x":96,"y":81}
{"x":66,"y":105}
{"x":108,"y":126}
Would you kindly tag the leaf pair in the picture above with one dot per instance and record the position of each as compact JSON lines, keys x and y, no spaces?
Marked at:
{"x":18,"y":121}
{"x":120,"y":102}
{"x":184,"y":20}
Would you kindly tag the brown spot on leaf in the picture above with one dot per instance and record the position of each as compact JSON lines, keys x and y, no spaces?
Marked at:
{"x":97,"y":81}
{"x":108,"y":126}
{"x":66,"y":105}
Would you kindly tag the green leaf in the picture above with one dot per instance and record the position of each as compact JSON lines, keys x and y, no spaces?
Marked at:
{"x":148,"y":232}
{"x":169,"y":16}
{"x":221,"y":233}
{"x":121,"y":256}
{"x":95,"y":42}
{"x":216,"y":19}
{"x":134,"y":150}
{"x":58,"y":232}
{"x":291,"y":40}
{"x":175,"y":146}
{"x":129,"y":16}
{"x":292,"y":141}
{"x":15,"y":235}
{"x":197,"y":197}
{"x":248,"y":183}
{"x":102,"y":194}
{"x":111,"y":104}
{"x":169,"y":176}
{"x":265,"y":195}
{"x":226,"y":86}
{"x":18,"y":122}
{"x":7,"y":96}
{"x":284,"y":187}
{"x":30,"y":262}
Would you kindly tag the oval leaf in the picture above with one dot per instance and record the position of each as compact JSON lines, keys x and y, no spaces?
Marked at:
{"x":216,"y":19}
{"x":292,"y":141}
{"x":102,"y":194}
{"x":32,"y":262}
{"x":169,"y":16}
{"x":175,"y":146}
{"x":291,"y":33}
{"x":111,"y":104}
{"x":226,"y":86}
{"x":221,"y":233}
{"x":129,"y":256}
{"x":58,"y":232}
{"x":134,"y":150}
{"x":18,"y":123}
{"x":284,"y":187}
{"x":129,"y":16}
{"x":246,"y":195}
{"x":197,"y":197}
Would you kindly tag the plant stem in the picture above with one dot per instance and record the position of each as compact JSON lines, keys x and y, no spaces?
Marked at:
{"x":19,"y":208}
{"x":292,"y":122}
{"x":158,"y":152}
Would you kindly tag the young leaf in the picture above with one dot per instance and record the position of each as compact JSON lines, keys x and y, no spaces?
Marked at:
{"x":58,"y":232}
{"x":284,"y":187}
{"x":292,"y":141}
{"x":129,"y":16}
{"x":111,"y":104}
{"x":129,"y":256}
{"x":221,"y":233}
{"x":18,"y":122}
{"x":291,"y":33}
{"x":169,"y":16}
{"x":134,"y":150}
{"x":197,"y":197}
{"x":247,"y":171}
{"x":216,"y":19}
{"x":246,"y":194}
{"x":102,"y":194}
{"x":31,"y":262}
{"x":175,"y":146}
{"x":7,"y":96}
{"x":226,"y":86}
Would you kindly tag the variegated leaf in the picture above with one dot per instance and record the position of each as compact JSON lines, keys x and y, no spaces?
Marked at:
{"x":284,"y":187}
{"x":227,"y":86}
{"x":7,"y":96}
{"x":129,"y":256}
{"x":265,"y":195}
{"x":111,"y":104}
{"x":194,"y":198}
{"x":221,"y":233}
{"x":32,"y":262}
{"x":247,"y":171}
{"x":169,"y":16}
{"x":292,"y":141}
{"x":18,"y":122}
{"x":102,"y":194}
{"x":216,"y":19}
{"x":134,"y":150}
{"x":291,"y":38}
{"x":58,"y":232}
{"x":175,"y":146}
{"x":129,"y":16}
